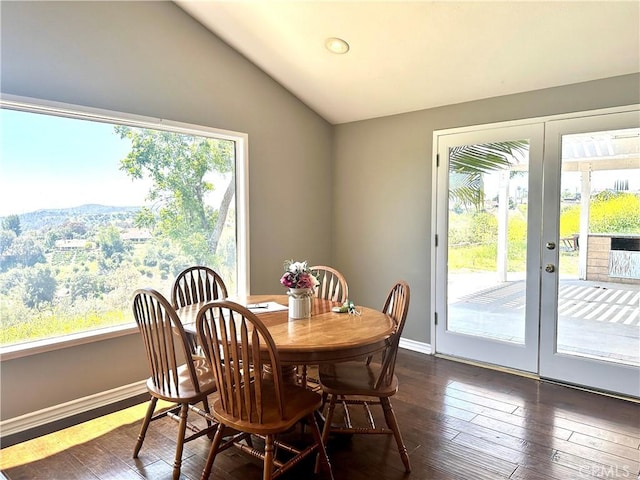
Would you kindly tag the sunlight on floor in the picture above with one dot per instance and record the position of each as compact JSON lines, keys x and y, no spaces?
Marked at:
{"x":47,"y":445}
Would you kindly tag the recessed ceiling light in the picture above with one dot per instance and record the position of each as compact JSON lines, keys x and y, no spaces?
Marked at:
{"x":336,"y":45}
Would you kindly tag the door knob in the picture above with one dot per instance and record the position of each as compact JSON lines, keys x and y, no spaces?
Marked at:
{"x":550,"y":268}
{"x":551,"y":245}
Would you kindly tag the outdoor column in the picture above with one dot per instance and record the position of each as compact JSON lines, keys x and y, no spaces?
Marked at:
{"x":585,"y":202}
{"x":503,"y":220}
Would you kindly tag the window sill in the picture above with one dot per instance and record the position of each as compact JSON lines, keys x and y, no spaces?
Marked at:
{"x":27,"y":349}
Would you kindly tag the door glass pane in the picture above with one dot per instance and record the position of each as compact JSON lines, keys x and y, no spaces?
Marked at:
{"x":487,"y":233}
{"x":599,"y":266}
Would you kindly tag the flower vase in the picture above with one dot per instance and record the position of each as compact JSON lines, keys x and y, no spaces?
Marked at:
{"x":300,"y":302}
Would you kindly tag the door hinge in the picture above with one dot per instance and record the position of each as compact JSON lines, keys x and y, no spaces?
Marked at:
{"x":436,"y":240}
{"x":435,"y":317}
{"x":437,"y":160}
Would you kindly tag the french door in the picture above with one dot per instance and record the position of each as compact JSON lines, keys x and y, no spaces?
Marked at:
{"x":535,"y":267}
{"x":488,"y":254}
{"x":590,"y":296}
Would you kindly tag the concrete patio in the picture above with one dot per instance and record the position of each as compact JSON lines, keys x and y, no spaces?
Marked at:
{"x":596,"y":319}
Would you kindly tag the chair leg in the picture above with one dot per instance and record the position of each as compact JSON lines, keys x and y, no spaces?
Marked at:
{"x":182,"y":429}
{"x":327,"y":426}
{"x":329,"y":418}
{"x":145,"y":425}
{"x":213,"y":451}
{"x":392,"y":423}
{"x":322,"y":451}
{"x":205,"y":407}
{"x":303,"y":375}
{"x":267,"y":472}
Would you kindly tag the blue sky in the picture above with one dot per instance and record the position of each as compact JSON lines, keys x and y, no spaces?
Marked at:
{"x":55,"y":162}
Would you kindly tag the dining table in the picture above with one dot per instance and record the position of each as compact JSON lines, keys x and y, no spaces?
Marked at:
{"x":324,"y":337}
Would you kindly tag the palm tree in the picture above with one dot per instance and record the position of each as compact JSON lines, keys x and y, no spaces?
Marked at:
{"x":467,"y":163}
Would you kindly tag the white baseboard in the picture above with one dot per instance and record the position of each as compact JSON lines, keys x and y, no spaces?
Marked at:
{"x":65,"y":410}
{"x":415,"y":346}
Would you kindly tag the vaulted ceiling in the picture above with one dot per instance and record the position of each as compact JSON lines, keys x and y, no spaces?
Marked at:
{"x":412,"y":55}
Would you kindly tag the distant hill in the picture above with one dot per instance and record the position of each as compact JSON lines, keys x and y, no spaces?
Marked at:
{"x":90,"y":214}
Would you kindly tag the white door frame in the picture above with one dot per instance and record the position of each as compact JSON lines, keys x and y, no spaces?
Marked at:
{"x":626,"y":382}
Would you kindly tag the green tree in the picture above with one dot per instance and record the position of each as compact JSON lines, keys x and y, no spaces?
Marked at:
{"x":177,"y":165}
{"x":467,"y":163}
{"x":50,"y":238}
{"x":25,"y":251}
{"x":110,"y":241}
{"x":7,"y":238}
{"x":73,"y":229}
{"x":84,"y":285}
{"x":39,"y":286}
{"x":12,"y":222}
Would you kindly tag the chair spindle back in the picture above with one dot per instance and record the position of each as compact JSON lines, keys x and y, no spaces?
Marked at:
{"x":197,"y":284}
{"x":238,"y":345}
{"x":396,"y":306}
{"x":333,"y":285}
{"x":165,"y":340}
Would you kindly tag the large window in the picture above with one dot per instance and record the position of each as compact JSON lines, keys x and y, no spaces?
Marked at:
{"x":92,"y":208}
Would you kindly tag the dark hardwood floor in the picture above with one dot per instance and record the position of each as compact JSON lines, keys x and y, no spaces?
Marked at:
{"x":458,"y":421}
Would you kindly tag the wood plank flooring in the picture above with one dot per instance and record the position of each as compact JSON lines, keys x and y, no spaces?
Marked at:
{"x":459,"y":422}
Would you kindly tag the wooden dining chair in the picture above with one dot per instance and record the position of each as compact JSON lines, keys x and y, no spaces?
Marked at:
{"x":184,"y":384}
{"x":369,"y":384}
{"x":237,"y":343}
{"x":197,"y":284}
{"x":333,"y":285}
{"x":193,"y":285}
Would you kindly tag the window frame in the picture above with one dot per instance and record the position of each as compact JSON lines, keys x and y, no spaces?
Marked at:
{"x":39,"y":106}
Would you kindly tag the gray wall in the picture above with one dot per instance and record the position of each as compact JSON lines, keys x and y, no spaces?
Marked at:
{"x":369,"y":182}
{"x":382,"y":186}
{"x":152,"y":59}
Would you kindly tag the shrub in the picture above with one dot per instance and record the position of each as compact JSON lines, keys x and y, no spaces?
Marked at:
{"x":615,"y":212}
{"x":610,"y":212}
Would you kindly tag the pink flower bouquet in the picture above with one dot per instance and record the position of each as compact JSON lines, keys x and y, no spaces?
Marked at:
{"x":298,"y":275}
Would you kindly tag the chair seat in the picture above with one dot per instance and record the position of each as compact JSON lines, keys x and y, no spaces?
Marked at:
{"x":299,"y":403}
{"x":354,"y":378}
{"x":186,"y":391}
{"x":264,"y":405}
{"x":344,"y":383}
{"x":165,"y":343}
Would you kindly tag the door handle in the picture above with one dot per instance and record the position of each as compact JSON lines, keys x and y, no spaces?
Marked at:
{"x":550,"y":268}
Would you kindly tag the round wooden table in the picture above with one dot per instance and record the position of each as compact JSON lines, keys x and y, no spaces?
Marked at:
{"x":326,"y":337}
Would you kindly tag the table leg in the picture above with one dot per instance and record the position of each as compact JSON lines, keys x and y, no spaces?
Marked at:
{"x":288,"y":373}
